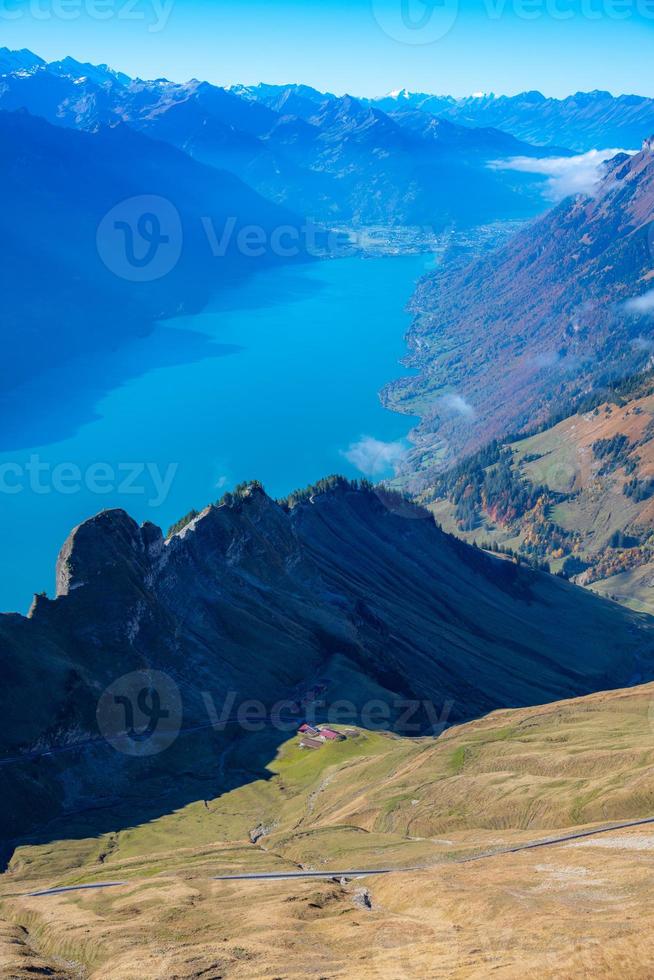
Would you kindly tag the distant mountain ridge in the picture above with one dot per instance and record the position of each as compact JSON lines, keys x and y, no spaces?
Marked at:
{"x":581,"y":122}
{"x":334,"y":159}
{"x":584,"y":121}
{"x":19,"y":61}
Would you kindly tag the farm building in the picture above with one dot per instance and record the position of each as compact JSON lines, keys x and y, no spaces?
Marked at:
{"x":311,"y":743}
{"x":330,"y":735}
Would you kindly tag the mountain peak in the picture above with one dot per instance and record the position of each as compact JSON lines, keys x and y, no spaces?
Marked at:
{"x":97,"y":74}
{"x":349,"y":102}
{"x":533,"y":96}
{"x":15,"y":61}
{"x":101,"y":546}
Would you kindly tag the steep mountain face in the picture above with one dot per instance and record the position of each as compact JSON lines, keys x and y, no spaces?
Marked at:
{"x":581,"y":122}
{"x":335,"y":159}
{"x":260,"y":599}
{"x":57,"y":186}
{"x":499,"y":342}
{"x":384,"y":169}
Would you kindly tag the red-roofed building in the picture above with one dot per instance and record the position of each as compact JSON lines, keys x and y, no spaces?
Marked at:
{"x":331,"y":735}
{"x":307,"y":729}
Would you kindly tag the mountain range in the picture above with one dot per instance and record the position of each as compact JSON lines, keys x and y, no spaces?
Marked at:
{"x":267,"y":156}
{"x":323,"y":152}
{"x":151,"y":710}
{"x":584,"y":121}
{"x":258,"y":599}
{"x":336,"y":159}
{"x":581,"y":122}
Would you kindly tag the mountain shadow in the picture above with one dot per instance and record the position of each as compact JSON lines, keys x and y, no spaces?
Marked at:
{"x":114,"y":692}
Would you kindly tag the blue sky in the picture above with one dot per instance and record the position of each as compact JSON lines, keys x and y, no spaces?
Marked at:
{"x":365,"y":47}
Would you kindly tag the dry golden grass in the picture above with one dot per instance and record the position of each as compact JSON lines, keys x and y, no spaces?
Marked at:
{"x":566,"y":912}
{"x":579,"y":909}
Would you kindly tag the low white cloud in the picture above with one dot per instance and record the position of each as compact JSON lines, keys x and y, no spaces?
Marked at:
{"x":457,"y":405}
{"x":641,"y":304}
{"x":372,"y":457}
{"x":566,"y":175}
{"x":643,"y":343}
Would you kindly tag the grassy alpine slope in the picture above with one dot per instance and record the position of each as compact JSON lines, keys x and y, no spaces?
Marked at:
{"x":372,"y":801}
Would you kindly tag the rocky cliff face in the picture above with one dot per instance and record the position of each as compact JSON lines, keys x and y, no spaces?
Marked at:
{"x":502,"y":341}
{"x":259,"y":600}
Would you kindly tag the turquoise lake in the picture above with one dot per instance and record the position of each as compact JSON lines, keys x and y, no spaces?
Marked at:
{"x":275,"y":381}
